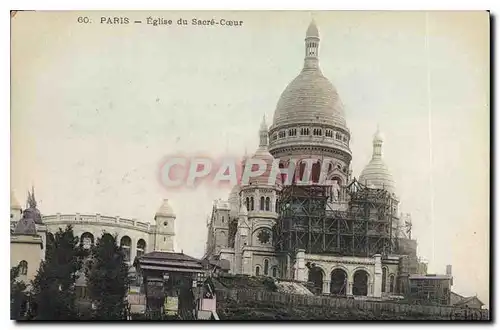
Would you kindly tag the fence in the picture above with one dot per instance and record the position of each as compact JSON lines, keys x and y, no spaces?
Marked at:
{"x":329,"y":303}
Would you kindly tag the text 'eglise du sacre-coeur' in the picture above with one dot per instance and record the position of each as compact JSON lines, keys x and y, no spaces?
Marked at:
{"x":161,"y":21}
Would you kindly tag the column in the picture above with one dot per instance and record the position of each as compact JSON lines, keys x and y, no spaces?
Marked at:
{"x":376,"y":290}
{"x":349,"y":288}
{"x":247,"y":267}
{"x":326,"y":287}
{"x":301,"y":265}
{"x":133,"y":250}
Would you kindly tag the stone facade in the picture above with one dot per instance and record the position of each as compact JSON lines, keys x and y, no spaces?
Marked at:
{"x":27,"y":239}
{"x":25,"y":251}
{"x":136,"y":236}
{"x":309,"y":122}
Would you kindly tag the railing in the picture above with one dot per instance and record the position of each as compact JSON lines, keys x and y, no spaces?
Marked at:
{"x":96,"y":218}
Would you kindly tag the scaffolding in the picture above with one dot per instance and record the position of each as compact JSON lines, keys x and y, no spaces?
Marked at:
{"x":308,"y":221}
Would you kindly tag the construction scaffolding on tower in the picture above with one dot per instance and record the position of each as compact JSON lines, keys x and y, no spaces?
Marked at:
{"x":308,"y":221}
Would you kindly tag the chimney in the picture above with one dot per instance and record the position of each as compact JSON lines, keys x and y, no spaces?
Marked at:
{"x":448,"y":270}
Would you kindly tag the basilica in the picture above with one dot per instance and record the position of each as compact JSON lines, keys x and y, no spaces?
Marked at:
{"x":345,"y":238}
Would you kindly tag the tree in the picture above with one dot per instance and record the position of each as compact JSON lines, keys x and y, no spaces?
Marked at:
{"x":54,"y":293}
{"x":17,"y":295}
{"x":107,"y":279}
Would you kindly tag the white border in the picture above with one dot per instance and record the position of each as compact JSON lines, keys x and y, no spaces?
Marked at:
{"x":185,"y":4}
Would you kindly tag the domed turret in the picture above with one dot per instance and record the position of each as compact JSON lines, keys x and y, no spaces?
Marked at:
{"x":376,"y":174}
{"x":165,"y":228}
{"x":312,"y":30}
{"x":262,"y":153}
{"x":26,"y":226}
{"x":165,"y":210}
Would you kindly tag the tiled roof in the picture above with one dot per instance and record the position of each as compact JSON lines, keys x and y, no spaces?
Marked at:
{"x":172,"y":261}
{"x":168,"y":256}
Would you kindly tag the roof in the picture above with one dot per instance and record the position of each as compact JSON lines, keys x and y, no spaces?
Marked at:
{"x":459,"y":300}
{"x":25,"y":226}
{"x":312,"y":30}
{"x":169,"y":261}
{"x":178,"y":256}
{"x":165,"y":210}
{"x":376,"y":174}
{"x":430,"y":277}
{"x":310,"y":98}
{"x":469,"y":300}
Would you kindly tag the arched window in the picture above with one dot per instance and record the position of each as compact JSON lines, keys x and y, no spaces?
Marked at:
{"x":268,"y":202}
{"x":275,"y":272}
{"x":360,"y":283}
{"x":391,"y":283}
{"x":301,"y":169}
{"x":125,"y":244}
{"x":316,"y":172}
{"x":248,"y":204}
{"x":257,"y":271}
{"x":262,"y":203}
{"x":266,"y":267}
{"x":141,"y":247}
{"x":384,"y":279}
{"x":87,"y":240}
{"x":251,"y":203}
{"x":107,"y":236}
{"x":23,"y":267}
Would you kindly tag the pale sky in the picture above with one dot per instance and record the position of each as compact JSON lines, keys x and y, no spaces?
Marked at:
{"x":96,"y":107}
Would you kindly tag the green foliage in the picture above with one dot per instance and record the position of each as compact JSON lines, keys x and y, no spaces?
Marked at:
{"x":54,"y":284}
{"x":107,"y":279}
{"x":17,"y":295}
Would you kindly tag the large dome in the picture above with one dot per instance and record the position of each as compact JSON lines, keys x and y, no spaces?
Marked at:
{"x":310,"y":97}
{"x":376,"y":174}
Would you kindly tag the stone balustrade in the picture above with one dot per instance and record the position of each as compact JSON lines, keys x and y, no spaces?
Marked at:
{"x":97,"y":218}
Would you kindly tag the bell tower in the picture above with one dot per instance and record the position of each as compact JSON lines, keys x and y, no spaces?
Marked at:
{"x":164,"y":237}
